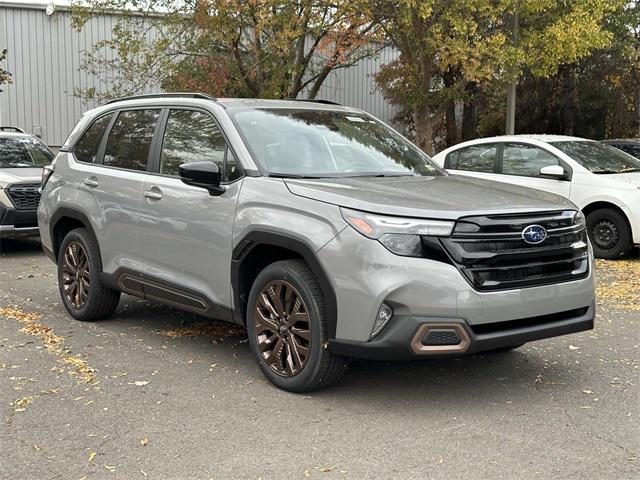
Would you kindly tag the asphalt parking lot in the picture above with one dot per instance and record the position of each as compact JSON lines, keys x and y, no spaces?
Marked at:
{"x":157,"y":393}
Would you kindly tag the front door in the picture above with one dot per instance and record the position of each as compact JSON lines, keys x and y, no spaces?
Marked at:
{"x":186,"y":232}
{"x":521,"y":164}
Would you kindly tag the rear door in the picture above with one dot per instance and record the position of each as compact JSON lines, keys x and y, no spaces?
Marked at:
{"x":111,"y":181}
{"x":521,"y":163}
{"x":480,"y":160}
{"x":186,"y":232}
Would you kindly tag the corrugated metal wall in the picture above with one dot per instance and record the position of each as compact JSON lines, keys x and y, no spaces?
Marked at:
{"x":355,"y":86}
{"x":45,"y":54}
{"x":44,"y":59}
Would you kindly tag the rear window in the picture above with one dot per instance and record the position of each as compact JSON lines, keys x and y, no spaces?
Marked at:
{"x":474,"y":158}
{"x":86,"y":149}
{"x":130,"y":138}
{"x":23,"y":152}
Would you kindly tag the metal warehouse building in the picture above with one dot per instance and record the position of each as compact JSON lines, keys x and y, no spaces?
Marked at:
{"x":44,"y":56}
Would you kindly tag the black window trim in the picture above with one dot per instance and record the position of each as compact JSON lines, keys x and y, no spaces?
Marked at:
{"x":156,"y":147}
{"x":567,"y":168}
{"x":105,"y":137}
{"x":497,"y":163}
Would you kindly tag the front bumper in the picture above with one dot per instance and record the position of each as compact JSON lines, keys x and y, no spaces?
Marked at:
{"x":18,"y":223}
{"x":402,"y":338}
{"x":421,"y":290}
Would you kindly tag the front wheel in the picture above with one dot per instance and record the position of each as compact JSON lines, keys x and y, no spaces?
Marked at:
{"x":287,"y":328}
{"x":609,"y":233}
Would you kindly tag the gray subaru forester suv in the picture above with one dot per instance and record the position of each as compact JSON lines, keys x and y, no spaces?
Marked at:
{"x":322,"y":230}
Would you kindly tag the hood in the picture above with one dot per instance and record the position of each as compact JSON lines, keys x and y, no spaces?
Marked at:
{"x":19,"y":175}
{"x":446,"y":197}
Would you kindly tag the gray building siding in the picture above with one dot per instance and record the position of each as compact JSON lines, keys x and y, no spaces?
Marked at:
{"x":44,"y":59}
{"x":45,"y":54}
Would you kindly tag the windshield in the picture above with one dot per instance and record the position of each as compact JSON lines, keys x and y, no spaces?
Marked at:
{"x":599,"y":158}
{"x":311,"y":143}
{"x":23,"y":152}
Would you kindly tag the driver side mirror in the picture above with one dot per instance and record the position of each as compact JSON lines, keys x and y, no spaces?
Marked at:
{"x":202,"y":174}
{"x":553,"y":171}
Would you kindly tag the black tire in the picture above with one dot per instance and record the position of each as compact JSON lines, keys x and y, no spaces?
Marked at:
{"x":609,"y":233}
{"x":322,"y":368}
{"x":100,"y":301}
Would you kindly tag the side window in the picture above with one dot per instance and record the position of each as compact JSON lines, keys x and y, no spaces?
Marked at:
{"x":525,"y":160}
{"x":130,"y":138}
{"x":86,"y":148}
{"x":633,"y":150}
{"x":475,"y":158}
{"x":192,"y":136}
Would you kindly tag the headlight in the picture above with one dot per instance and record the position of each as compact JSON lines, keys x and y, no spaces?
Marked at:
{"x":579,"y":219}
{"x":400,"y":235}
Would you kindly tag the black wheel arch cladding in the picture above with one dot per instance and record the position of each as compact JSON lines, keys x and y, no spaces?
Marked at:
{"x":299,"y":247}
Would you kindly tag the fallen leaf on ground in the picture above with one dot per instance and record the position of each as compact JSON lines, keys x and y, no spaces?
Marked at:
{"x":92,"y":456}
{"x":144,"y":442}
{"x":52,"y":342}
{"x":211,"y":329}
{"x":23,"y":402}
{"x":326,"y":469}
{"x":618,"y":283}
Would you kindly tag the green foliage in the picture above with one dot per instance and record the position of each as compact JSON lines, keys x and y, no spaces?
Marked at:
{"x":597,"y":96}
{"x":260,"y":48}
{"x":5,"y":76}
{"x":447,"y":46}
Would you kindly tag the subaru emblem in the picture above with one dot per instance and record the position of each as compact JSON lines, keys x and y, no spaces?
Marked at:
{"x":534,"y":234}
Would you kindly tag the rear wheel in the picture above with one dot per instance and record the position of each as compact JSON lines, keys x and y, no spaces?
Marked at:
{"x":79,"y":268}
{"x":609,"y":233}
{"x":287,"y":328}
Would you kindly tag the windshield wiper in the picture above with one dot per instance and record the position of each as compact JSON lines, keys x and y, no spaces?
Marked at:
{"x":376,"y":175}
{"x":291,"y":175}
{"x":606,"y":172}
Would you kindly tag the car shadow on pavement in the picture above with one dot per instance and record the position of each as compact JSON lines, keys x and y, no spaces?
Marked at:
{"x":491,"y":377}
{"x":19,"y":247}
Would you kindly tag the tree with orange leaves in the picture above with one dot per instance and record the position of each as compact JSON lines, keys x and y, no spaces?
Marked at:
{"x":256,"y":48}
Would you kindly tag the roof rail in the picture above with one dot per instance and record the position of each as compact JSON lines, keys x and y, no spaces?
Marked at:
{"x":326,"y":102}
{"x":164,"y":95}
{"x":11,"y":129}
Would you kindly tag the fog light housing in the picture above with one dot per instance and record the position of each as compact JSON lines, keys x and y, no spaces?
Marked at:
{"x":382,"y":318}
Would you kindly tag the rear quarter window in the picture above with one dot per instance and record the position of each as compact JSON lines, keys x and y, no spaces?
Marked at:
{"x":86,"y":148}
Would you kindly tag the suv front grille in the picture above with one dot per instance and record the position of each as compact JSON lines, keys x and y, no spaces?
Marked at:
{"x":24,"y":196}
{"x":491,"y":253}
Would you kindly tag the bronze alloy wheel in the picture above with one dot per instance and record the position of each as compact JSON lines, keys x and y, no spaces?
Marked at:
{"x":282,"y":328}
{"x":76,"y":275}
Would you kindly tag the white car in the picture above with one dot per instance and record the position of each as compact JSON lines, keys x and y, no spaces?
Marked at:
{"x":602,"y":180}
